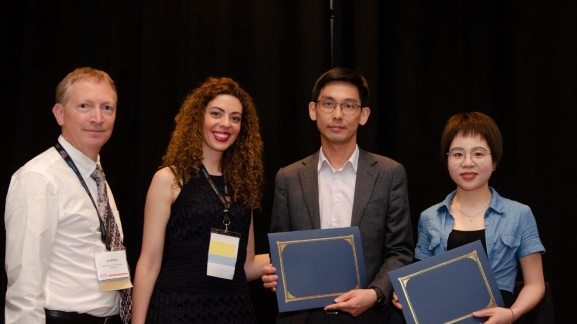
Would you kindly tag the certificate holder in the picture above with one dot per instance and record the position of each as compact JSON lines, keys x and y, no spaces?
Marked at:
{"x":448,"y":287}
{"x":316,"y":266}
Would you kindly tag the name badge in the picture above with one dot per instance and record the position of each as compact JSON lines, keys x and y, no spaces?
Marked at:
{"x":222,"y":254}
{"x":112,"y":270}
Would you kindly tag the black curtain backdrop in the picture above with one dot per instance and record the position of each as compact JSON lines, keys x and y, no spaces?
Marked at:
{"x":424,"y":61}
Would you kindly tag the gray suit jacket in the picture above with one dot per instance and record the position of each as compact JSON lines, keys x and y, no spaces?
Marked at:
{"x":380,"y":210}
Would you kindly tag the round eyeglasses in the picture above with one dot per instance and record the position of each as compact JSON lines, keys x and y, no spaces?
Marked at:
{"x":478,"y":155}
{"x":348,"y":108}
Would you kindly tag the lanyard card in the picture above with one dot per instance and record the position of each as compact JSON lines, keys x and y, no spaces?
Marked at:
{"x":222,"y":253}
{"x":112,"y":270}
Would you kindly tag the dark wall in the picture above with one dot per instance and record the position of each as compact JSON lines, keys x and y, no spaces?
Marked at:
{"x":424,"y":61}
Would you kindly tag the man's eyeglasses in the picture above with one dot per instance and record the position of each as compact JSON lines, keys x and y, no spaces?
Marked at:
{"x":348,"y":108}
{"x":478,"y":155}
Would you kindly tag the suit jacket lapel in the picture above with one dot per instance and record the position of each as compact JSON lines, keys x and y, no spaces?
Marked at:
{"x":308,"y":177}
{"x":366,"y":177}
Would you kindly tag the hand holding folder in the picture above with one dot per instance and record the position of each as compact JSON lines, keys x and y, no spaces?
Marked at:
{"x":447,"y":288}
{"x":316,"y":266}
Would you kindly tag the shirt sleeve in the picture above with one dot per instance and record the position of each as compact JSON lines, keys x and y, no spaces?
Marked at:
{"x":399,"y":244}
{"x":530,"y":241}
{"x":422,"y":250}
{"x":31,"y":217}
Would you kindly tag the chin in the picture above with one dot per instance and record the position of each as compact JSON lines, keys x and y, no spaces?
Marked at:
{"x":96,"y":144}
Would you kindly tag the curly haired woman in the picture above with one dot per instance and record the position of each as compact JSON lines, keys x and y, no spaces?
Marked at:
{"x":198,"y":241}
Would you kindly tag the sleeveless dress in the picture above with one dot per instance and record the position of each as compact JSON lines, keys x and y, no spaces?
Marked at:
{"x":183,"y":292}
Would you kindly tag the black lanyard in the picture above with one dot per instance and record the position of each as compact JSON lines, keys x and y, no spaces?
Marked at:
{"x":224,"y":199}
{"x":105,"y":234}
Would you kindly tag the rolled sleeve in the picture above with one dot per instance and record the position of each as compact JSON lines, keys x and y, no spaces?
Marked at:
{"x":530,"y":241}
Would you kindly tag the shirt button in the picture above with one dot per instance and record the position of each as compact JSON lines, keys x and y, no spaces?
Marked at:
{"x":336,"y":199}
{"x":486,"y":223}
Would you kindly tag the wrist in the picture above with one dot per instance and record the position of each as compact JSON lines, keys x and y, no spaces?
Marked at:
{"x":381,"y":299}
{"x":512,"y":315}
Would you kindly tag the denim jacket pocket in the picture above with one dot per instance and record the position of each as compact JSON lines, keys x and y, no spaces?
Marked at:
{"x":506,"y":246}
{"x":510,"y":240}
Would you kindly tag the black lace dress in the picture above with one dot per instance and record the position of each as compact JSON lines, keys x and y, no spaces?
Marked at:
{"x":183,"y":292}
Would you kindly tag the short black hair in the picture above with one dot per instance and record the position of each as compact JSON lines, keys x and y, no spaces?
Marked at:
{"x":472,"y":124}
{"x":343,"y":75}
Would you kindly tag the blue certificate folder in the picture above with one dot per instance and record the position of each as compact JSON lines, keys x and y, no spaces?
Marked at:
{"x":316,"y":266}
{"x":448,"y":287}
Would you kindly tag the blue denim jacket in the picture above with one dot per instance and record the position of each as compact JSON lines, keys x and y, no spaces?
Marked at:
{"x":510,"y":231}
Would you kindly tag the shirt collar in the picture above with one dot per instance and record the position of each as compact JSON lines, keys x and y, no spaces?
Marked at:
{"x":495,"y":203}
{"x":353,"y":160}
{"x":84,"y":164}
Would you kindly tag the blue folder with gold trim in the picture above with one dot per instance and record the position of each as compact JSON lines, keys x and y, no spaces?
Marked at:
{"x":448,"y":287}
{"x":316,"y":266}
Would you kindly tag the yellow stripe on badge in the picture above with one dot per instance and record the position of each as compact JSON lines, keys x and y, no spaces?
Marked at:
{"x":222,"y":249}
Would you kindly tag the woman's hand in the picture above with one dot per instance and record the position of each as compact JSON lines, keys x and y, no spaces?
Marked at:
{"x":396,"y":301}
{"x":269,"y":277}
{"x":497,"y":315}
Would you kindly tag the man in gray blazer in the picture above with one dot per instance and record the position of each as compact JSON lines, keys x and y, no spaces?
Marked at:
{"x":342,"y":185}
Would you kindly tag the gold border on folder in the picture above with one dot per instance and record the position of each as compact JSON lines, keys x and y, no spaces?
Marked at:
{"x":472,"y":255}
{"x":288,"y":297}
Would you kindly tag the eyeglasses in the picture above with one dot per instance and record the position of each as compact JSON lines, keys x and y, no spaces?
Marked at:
{"x":348,"y":108}
{"x":478,"y":155}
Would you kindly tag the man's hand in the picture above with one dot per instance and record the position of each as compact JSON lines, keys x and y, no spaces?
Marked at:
{"x":354,"y":302}
{"x":269,"y":278}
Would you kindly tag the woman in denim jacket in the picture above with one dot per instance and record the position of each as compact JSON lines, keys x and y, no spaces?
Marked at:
{"x":474,"y":211}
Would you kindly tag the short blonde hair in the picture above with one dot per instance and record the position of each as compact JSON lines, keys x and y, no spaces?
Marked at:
{"x":81,"y":74}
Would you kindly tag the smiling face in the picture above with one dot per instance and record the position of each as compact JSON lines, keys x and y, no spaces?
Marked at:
{"x":87,"y":116}
{"x":467,"y":174}
{"x":222,"y":122}
{"x":335,"y":127}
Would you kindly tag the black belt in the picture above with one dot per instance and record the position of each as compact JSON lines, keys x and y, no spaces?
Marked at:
{"x":73,"y":317}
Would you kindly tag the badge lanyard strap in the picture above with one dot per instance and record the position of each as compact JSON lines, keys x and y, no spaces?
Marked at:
{"x":224,"y":199}
{"x":105,"y":234}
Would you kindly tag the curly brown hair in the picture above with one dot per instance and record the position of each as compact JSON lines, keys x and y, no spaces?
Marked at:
{"x":242,"y":162}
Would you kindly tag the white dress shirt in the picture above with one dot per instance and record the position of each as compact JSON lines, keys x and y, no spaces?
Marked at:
{"x":337,"y":191}
{"x":52,"y":234}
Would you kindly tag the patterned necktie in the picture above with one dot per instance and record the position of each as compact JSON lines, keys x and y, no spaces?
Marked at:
{"x":116,"y":242}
